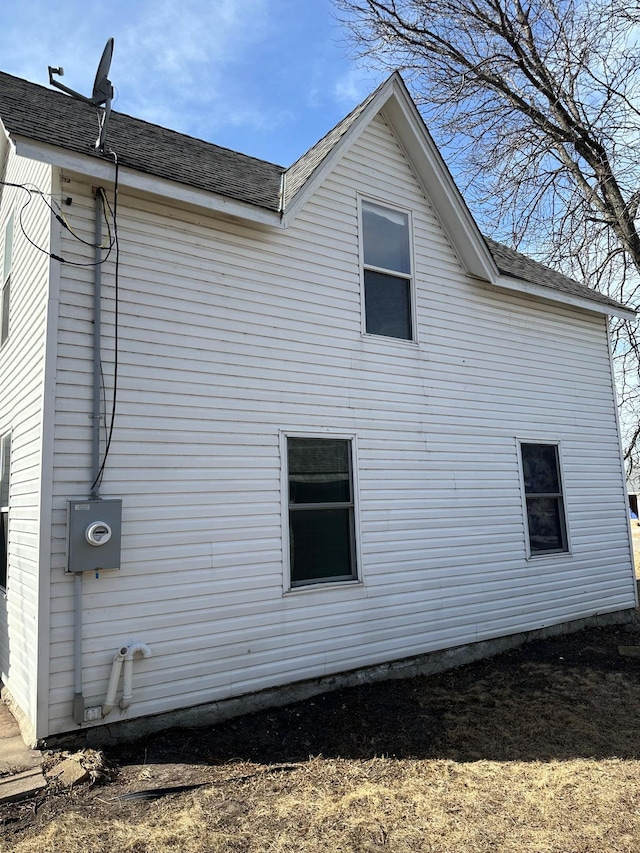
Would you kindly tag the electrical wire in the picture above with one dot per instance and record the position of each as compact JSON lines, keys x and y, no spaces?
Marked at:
{"x":32,"y":190}
{"x":110,"y":217}
{"x":59,"y":214}
{"x":114,"y":215}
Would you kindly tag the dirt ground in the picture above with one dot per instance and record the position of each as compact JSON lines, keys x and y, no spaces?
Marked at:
{"x":535,"y":750}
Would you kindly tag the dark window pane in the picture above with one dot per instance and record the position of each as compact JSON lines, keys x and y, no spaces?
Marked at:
{"x":318,"y":471}
{"x":5,"y":468}
{"x":540,"y":468}
{"x":8,"y":249}
{"x":387,"y":301}
{"x":386,"y":238}
{"x":4,"y":311}
{"x":320,"y":543}
{"x":4,"y":547}
{"x":546,"y":524}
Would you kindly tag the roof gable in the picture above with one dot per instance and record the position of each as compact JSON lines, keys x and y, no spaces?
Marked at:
{"x":50,"y":126}
{"x":298,"y":174}
{"x":396,"y":105}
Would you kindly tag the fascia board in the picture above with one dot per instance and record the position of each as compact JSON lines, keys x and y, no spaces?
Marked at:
{"x":337,"y":153}
{"x":6,"y":144}
{"x":103,"y":170}
{"x":439,"y":186}
{"x":518,"y":285}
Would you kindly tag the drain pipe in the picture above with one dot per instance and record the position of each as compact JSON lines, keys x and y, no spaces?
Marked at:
{"x":127,"y":688}
{"x":78,"y":698}
{"x":124,"y":655}
{"x":110,"y":700}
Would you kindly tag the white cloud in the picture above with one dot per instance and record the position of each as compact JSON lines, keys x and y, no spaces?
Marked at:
{"x":353,"y":86}
{"x":167,"y":55}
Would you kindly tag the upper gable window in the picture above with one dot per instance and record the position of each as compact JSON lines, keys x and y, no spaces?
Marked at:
{"x":387,"y":271}
{"x":5,"y":283}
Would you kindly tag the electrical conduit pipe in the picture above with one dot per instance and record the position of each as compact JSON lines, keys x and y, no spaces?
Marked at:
{"x":124,"y":656}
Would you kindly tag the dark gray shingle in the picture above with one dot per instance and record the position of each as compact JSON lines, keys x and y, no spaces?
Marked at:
{"x":298,"y":174}
{"x":45,"y":115}
{"x":48,"y":116}
{"x":516,"y":265}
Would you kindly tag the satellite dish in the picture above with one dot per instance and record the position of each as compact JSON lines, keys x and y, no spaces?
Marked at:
{"x":102,"y":88}
{"x":102,"y":92}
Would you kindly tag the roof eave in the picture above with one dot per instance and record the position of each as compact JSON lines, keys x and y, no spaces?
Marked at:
{"x":102,"y":169}
{"x":518,"y":285}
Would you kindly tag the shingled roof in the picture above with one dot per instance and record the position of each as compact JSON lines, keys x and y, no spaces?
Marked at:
{"x":47,"y":116}
{"x":517,"y":265}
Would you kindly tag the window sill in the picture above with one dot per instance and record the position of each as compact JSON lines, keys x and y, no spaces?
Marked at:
{"x":388,"y":339}
{"x":550,"y":556}
{"x":325,"y":586}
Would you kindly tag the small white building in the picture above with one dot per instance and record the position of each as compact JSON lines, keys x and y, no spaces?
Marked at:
{"x":345,"y":429}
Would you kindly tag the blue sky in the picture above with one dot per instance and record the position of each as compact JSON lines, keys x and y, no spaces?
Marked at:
{"x":265,"y":77}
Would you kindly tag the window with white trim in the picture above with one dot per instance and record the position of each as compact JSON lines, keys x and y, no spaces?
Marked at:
{"x":5,"y":294}
{"x":387,"y":277}
{"x":5,"y":473}
{"x":546,"y":518}
{"x":321,"y":504}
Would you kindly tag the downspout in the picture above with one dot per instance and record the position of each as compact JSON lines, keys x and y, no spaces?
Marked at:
{"x":623,"y":470}
{"x":78,"y":698}
{"x":124,"y":655}
{"x":127,"y":687}
{"x":110,"y":699}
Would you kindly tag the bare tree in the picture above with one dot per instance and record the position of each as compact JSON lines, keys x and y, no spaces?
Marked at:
{"x":537,"y":107}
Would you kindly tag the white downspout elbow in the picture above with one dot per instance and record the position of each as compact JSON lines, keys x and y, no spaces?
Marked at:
{"x":127,"y":691}
{"x":123,"y":655}
{"x":110,"y":701}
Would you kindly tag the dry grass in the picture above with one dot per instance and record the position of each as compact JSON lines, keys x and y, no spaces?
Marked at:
{"x":530,"y":753}
{"x":381,"y":804}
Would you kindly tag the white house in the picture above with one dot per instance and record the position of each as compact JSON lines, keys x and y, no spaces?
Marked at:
{"x":344,"y":428}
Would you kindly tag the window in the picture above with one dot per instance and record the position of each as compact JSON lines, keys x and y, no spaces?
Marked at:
{"x":321,"y":510}
{"x":546,"y":520}
{"x":5,"y":470}
{"x":6,"y":281}
{"x":387,"y":271}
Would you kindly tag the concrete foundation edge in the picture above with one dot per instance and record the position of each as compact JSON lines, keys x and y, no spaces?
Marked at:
{"x":216,"y":712}
{"x":27,"y":730}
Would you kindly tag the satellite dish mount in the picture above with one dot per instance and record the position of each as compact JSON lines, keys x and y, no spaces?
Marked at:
{"x":102,"y":92}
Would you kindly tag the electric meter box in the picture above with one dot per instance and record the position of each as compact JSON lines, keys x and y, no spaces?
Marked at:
{"x":94,"y":533}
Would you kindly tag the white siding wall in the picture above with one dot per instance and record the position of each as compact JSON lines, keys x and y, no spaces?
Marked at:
{"x":21,"y":407}
{"x":228,"y":335}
